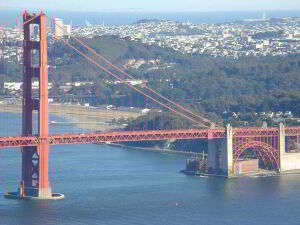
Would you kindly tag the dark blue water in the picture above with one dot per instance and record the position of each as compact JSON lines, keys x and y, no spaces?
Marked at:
{"x":120,"y":18}
{"x":112,"y":186}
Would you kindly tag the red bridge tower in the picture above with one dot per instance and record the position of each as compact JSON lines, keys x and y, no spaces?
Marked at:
{"x":35,"y":180}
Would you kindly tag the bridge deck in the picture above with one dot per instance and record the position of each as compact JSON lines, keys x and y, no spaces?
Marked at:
{"x":127,"y":136}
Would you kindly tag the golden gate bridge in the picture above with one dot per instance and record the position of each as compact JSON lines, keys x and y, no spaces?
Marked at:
{"x":225,"y":145}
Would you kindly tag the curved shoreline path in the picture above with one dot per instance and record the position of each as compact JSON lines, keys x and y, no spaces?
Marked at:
{"x":89,"y":118}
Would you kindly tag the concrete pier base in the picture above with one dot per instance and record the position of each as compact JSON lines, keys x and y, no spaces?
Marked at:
{"x":34,"y":194}
{"x":45,"y":193}
{"x":220,"y":154}
{"x":288,"y":161}
{"x":17,"y":196}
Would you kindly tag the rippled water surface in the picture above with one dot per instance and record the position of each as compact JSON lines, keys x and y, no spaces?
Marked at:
{"x":112,"y":186}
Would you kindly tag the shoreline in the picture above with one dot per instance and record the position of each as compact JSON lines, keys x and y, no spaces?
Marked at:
{"x":159,"y":150}
{"x":93,"y":119}
{"x":89,"y":118}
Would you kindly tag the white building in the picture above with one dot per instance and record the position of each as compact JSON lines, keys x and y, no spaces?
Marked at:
{"x":61,"y":29}
{"x":16,"y":86}
{"x":13,"y":86}
{"x":36,"y":85}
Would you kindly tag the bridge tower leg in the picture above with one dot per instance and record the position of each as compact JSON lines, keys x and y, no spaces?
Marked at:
{"x":289,"y":161}
{"x":282,"y":145}
{"x":35,"y":159}
{"x":35,"y":180}
{"x":229,"y":152}
{"x":220,"y":154}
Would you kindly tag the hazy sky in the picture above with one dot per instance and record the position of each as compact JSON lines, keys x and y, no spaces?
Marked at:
{"x":152,"y":5}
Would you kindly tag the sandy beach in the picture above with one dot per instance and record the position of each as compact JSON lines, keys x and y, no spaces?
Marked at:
{"x":89,"y":118}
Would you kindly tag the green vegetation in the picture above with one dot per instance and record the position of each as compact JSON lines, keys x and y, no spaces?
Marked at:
{"x":207,"y":84}
{"x":159,"y":121}
{"x":202,"y":83}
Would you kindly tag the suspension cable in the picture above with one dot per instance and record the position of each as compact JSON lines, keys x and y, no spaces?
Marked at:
{"x":140,"y":91}
{"x":147,"y":87}
{"x":131,"y":86}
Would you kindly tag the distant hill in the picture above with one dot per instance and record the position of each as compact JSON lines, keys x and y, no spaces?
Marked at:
{"x":206,"y":84}
{"x":121,"y":18}
{"x":147,"y":21}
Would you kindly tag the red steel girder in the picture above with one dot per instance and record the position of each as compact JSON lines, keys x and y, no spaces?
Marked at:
{"x":127,"y":136}
{"x":292,"y":131}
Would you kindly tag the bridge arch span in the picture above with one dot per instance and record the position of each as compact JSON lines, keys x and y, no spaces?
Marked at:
{"x":265,"y":152}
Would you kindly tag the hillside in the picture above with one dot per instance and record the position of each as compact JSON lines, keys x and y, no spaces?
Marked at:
{"x":211,"y":85}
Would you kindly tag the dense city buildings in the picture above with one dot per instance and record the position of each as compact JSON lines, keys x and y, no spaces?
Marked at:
{"x":10,"y":44}
{"x":242,"y":38}
{"x":256,"y":37}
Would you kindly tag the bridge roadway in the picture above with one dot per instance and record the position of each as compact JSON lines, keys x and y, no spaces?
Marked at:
{"x":127,"y":136}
